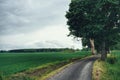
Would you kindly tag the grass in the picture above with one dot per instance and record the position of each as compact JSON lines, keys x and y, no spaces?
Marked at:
{"x":52,"y":73}
{"x":113,"y":66}
{"x":19,"y":62}
{"x":110,"y":69}
{"x":98,"y":70}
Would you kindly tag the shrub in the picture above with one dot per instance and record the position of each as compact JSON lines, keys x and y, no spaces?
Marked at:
{"x":112,"y":59}
{"x":1,"y":77}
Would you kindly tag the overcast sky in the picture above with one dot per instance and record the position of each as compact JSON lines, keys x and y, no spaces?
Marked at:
{"x":34,"y":24}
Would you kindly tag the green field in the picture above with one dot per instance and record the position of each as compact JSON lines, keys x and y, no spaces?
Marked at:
{"x":11,"y":63}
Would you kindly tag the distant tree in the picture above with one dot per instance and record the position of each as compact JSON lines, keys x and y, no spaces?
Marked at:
{"x":41,"y":50}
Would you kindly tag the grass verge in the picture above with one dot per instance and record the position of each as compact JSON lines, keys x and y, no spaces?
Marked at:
{"x":109,"y":69}
{"x":98,"y":70}
{"x":47,"y":76}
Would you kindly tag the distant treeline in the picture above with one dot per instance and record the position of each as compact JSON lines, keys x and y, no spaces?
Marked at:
{"x":39,"y":50}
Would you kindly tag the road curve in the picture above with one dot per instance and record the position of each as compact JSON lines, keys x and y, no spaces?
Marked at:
{"x":79,"y":70}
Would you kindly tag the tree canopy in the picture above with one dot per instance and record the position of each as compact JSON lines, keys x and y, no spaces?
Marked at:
{"x":98,"y":20}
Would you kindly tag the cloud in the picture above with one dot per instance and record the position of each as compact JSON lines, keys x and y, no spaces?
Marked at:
{"x":51,"y":44}
{"x":34,"y":24}
{"x":49,"y":37}
{"x":41,"y":44}
{"x":27,"y":15}
{"x":11,"y":46}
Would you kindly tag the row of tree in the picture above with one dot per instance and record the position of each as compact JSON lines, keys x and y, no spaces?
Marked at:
{"x":38,"y":50}
{"x":97,"y":22}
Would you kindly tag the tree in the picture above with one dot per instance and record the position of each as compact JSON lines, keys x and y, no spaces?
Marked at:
{"x":109,"y":18}
{"x":95,"y":20}
{"x":80,"y":19}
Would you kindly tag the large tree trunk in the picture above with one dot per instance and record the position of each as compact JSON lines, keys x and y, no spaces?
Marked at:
{"x":92,"y":46}
{"x":104,"y":53}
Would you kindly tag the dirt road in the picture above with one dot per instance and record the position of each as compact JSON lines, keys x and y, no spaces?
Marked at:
{"x":79,"y":70}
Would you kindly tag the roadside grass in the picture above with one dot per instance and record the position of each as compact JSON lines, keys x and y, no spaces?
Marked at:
{"x":52,"y":73}
{"x":15,"y":63}
{"x":98,"y":70}
{"x":110,"y":69}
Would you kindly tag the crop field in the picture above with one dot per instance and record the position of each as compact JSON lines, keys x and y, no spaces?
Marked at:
{"x":11,"y":63}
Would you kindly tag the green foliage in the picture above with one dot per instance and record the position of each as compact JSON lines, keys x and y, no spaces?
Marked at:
{"x":91,"y":19}
{"x":11,"y":63}
{"x":81,"y":18}
{"x":116,"y":47}
{"x":86,"y":42}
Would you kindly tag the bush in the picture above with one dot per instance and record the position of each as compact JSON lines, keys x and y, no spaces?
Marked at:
{"x":112,"y":59}
{"x":1,"y":77}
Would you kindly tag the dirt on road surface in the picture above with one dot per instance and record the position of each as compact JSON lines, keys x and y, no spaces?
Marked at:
{"x":79,"y":70}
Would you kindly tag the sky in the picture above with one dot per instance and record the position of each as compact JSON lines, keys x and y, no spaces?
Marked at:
{"x":35,"y":24}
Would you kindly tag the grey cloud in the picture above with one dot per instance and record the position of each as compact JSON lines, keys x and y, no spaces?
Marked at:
{"x":21,"y":16}
{"x":9,"y":46}
{"x":51,"y":44}
{"x":41,"y":44}
{"x":26,"y":16}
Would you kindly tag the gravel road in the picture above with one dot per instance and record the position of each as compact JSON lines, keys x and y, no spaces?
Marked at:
{"x":79,"y":70}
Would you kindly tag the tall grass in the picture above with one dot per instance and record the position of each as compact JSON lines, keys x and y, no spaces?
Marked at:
{"x":112,"y":66}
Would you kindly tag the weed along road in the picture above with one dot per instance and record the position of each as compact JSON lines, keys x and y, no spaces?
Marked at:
{"x":79,"y":70}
